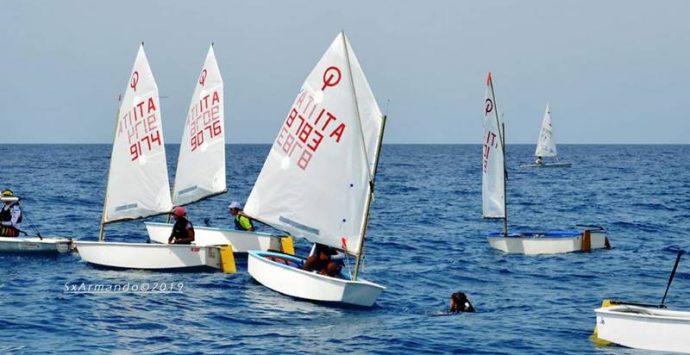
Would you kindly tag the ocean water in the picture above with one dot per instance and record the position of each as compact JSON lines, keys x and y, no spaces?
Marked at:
{"x":425,"y":241}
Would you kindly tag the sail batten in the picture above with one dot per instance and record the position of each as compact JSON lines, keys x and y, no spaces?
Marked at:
{"x":493,"y":155}
{"x":546,"y":145}
{"x":138,"y":183}
{"x":201,"y":162}
{"x":317,"y":177}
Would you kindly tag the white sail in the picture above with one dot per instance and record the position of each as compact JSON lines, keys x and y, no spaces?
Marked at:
{"x":315,"y":182}
{"x":201,"y":163}
{"x":546,"y":146}
{"x":138,"y":177}
{"x":493,"y":179}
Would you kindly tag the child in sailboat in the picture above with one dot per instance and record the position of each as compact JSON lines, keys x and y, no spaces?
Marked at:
{"x":539,"y":161}
{"x":242,"y":222}
{"x":10,"y":214}
{"x":324,"y":260}
{"x":183,"y":230}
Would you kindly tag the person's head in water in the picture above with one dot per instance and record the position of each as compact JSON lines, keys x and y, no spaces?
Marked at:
{"x":460,"y":303}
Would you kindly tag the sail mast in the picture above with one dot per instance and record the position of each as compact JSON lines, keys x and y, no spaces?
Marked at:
{"x":365,"y":220}
{"x":505,"y":181}
{"x":501,"y":132}
{"x":101,"y":233}
{"x":369,"y":199}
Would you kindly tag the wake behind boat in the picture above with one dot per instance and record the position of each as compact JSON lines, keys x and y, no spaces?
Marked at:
{"x":138,"y":185}
{"x":318,"y":179}
{"x":494,"y":205}
{"x":546,"y":146}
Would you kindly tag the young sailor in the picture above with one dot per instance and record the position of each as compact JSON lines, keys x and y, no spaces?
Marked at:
{"x":10,"y":214}
{"x":242,"y":222}
{"x":183,"y":231}
{"x":324,"y":260}
{"x":539,"y":161}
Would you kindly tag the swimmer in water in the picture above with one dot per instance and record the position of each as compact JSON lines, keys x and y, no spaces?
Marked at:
{"x":460,"y":303}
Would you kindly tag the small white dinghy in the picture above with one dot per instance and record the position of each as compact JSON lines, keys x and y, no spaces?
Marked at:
{"x":201,"y":165}
{"x":549,"y":242}
{"x":241,"y":241}
{"x":138,"y":185}
{"x":35,"y":245}
{"x":494,"y":206}
{"x":546,"y":146}
{"x":318,"y":180}
{"x":646,"y":327}
{"x":30,"y":244}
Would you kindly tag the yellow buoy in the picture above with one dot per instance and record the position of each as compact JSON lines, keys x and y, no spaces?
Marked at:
{"x":227,"y":260}
{"x":287,"y":245}
{"x":594,"y":338}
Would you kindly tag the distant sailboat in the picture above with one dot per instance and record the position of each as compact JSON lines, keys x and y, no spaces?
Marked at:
{"x":318,"y":180}
{"x":201,"y":165}
{"x":546,"y":145}
{"x":137,"y":185}
{"x":494,"y":180}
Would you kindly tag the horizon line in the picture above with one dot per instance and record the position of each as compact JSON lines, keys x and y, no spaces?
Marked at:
{"x":392,"y":143}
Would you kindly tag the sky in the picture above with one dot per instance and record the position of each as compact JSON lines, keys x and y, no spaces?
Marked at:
{"x":615,"y":72}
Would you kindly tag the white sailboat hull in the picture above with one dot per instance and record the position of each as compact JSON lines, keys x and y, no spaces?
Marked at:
{"x":240,"y":241}
{"x":34,"y":245}
{"x":645,"y":328}
{"x":547,"y":165}
{"x":534,"y":243}
{"x":293,"y":281}
{"x":147,"y":256}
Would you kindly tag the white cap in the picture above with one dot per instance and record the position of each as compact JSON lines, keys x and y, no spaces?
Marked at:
{"x":234,"y":204}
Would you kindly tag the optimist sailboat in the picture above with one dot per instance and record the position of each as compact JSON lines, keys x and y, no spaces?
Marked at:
{"x":494,"y":180}
{"x":138,"y":185}
{"x":546,"y":145}
{"x":31,"y":244}
{"x":647,"y":327}
{"x":201,"y":165}
{"x":318,"y":179}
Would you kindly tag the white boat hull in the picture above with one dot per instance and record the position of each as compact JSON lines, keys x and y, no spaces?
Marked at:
{"x":147,"y":256}
{"x":293,"y":281}
{"x":645,"y":328}
{"x":240,"y":241}
{"x":547,"y":165}
{"x":534,"y":243}
{"x":35,"y":245}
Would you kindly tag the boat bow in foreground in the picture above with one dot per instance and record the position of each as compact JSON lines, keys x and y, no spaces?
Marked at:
{"x":646,"y":328}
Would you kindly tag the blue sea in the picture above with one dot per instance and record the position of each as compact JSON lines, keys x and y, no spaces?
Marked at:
{"x":425,"y":241}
